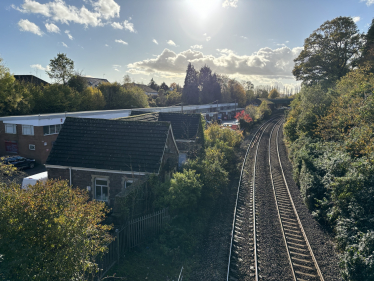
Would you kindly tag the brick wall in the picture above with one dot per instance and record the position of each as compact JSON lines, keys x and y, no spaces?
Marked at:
{"x":82,"y":179}
{"x":43,"y":144}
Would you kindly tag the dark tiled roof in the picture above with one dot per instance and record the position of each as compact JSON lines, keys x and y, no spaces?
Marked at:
{"x":185,"y":126}
{"x":31,"y":79}
{"x":110,"y":144}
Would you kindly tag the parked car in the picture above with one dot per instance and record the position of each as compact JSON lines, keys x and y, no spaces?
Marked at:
{"x":20,"y":162}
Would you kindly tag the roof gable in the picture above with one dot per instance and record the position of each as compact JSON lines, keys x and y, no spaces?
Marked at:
{"x":110,"y":145}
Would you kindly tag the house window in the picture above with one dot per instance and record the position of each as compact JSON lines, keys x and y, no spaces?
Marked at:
{"x":10,"y":128}
{"x":11,"y":146}
{"x":128,"y":183}
{"x":32,"y":146}
{"x":28,"y":130}
{"x":51,"y":129}
{"x":101,"y":189}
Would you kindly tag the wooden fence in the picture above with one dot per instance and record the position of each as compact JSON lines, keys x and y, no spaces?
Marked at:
{"x":131,"y":235}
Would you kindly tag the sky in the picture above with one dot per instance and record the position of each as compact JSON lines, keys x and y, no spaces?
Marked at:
{"x":253,"y":40}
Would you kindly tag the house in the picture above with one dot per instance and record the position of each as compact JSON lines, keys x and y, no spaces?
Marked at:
{"x":147,"y":90}
{"x":187,"y":129}
{"x":33,"y":136}
{"x":94,"y":82}
{"x":106,"y":156}
{"x":31,"y":79}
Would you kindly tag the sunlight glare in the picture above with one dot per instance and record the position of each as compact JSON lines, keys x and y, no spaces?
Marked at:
{"x":204,"y":7}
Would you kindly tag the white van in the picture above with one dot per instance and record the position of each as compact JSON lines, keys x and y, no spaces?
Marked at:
{"x":32,"y":180}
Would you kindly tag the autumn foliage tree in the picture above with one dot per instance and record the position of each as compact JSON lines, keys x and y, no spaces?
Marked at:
{"x":329,"y":53}
{"x":50,"y":232}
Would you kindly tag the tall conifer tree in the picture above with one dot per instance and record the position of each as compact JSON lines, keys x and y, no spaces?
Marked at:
{"x":190,"y":93}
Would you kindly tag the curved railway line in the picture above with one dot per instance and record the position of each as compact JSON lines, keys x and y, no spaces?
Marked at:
{"x":268,"y":241}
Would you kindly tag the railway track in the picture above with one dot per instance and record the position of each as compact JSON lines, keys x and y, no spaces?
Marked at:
{"x":302,"y":261}
{"x":264,"y":203}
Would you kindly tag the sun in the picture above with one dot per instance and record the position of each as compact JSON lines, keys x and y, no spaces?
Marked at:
{"x":204,"y":8}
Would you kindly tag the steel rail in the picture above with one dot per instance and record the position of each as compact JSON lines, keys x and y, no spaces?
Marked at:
{"x":294,"y":211}
{"x":237,"y":198}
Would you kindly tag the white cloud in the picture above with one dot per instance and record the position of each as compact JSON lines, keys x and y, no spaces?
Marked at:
{"x":225,"y":51}
{"x":121,"y":41}
{"x":230,"y":3}
{"x":107,"y":8}
{"x":266,"y":61}
{"x":106,"y":45}
{"x":126,"y":25}
{"x":40,"y":67}
{"x":69,"y":35}
{"x":171,"y":43}
{"x":155,"y":41}
{"x":197,"y":46}
{"x":116,"y":67}
{"x":243,"y":37}
{"x":208,"y":38}
{"x":63,"y":44}
{"x":52,"y":28}
{"x":26,"y":25}
{"x":59,"y":11}
{"x":368,"y":2}
{"x":117,"y":25}
{"x":356,"y":19}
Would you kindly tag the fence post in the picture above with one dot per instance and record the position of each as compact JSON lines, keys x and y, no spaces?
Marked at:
{"x":117,"y":238}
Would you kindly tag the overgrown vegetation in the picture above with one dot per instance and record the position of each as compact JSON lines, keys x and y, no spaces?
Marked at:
{"x":52,"y":232}
{"x":329,"y":131}
{"x":191,"y":196}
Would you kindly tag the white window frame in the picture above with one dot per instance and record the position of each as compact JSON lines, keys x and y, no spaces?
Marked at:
{"x":32,"y":146}
{"x":25,"y":129}
{"x":49,"y":129}
{"x":101,"y":187}
{"x":12,"y":127}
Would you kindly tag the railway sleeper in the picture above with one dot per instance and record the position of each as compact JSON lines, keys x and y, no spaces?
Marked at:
{"x":295,"y":239}
{"x":300,"y":245}
{"x":299,"y":254}
{"x":303,"y":260}
{"x":297,"y":249}
{"x":308,"y":268}
{"x":306,"y":275}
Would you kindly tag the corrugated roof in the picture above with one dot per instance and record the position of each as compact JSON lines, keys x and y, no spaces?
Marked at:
{"x":110,"y":144}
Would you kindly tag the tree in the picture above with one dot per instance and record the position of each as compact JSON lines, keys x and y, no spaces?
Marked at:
{"x":237,"y":92}
{"x":118,"y":97}
{"x":126,"y":79}
{"x":274,"y":94}
{"x":92,"y":99}
{"x":53,"y":232}
{"x":153,"y":85}
{"x":78,"y":83}
{"x":61,"y":68}
{"x":190,"y":93}
{"x":368,"y":51}
{"x":262,"y":93}
{"x":329,"y":53}
{"x":57,"y":98}
{"x":248,"y":85}
{"x":184,"y":191}
{"x":164,"y":87}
